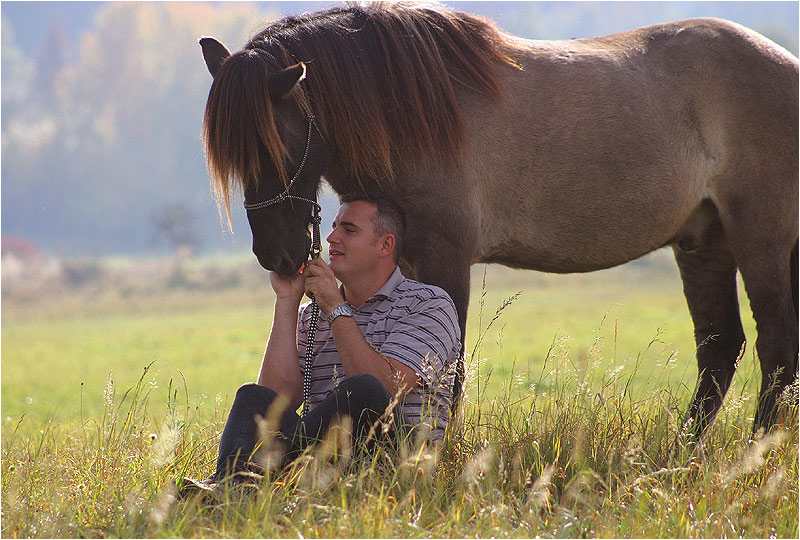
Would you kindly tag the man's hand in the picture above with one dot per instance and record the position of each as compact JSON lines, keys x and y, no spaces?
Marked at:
{"x":288,"y":288}
{"x":321,"y":282}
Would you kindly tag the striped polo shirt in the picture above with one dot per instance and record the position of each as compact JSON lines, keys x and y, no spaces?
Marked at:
{"x":411,"y":322}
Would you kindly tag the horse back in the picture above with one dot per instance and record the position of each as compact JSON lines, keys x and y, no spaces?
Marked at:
{"x":633,"y":131}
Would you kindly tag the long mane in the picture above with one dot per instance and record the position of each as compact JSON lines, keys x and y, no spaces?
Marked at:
{"x":381,"y":82}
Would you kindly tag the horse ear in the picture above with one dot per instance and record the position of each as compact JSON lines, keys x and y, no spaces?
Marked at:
{"x":214,"y":53}
{"x":284,"y":81}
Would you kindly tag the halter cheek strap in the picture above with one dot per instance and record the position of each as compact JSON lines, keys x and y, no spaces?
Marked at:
{"x":284,"y":195}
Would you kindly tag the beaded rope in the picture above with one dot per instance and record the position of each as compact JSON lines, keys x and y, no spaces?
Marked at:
{"x":316,"y":249}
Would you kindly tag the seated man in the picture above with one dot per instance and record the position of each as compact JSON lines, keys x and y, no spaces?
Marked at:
{"x":380,"y":335}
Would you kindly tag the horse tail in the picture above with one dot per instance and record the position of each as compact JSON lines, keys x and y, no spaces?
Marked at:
{"x":239,"y":123}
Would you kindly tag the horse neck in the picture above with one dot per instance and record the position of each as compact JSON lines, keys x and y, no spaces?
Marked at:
{"x":339,"y":179}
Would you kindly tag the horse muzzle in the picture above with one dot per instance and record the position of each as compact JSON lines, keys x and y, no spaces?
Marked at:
{"x":284,"y":262}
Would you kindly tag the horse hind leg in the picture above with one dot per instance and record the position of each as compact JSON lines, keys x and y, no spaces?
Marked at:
{"x":771,"y":285}
{"x":708,"y":272}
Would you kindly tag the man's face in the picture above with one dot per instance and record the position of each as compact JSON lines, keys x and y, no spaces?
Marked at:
{"x":353,"y":247}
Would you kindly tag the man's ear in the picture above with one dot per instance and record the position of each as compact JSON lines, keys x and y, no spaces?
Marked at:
{"x":284,"y":81}
{"x":388,"y":243}
{"x":214,"y":54}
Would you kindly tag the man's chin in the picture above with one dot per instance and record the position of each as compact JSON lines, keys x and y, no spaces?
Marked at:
{"x":333,"y":264}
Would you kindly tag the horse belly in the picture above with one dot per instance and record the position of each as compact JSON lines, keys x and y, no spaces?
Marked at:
{"x":597,"y":169}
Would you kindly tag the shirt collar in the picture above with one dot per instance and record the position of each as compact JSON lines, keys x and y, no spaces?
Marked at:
{"x":391,"y":284}
{"x":388,"y":288}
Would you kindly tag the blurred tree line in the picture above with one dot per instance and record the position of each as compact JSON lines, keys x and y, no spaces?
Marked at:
{"x":101,"y":140}
{"x":99,"y":136}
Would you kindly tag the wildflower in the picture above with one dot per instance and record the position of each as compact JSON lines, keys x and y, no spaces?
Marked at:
{"x":477,"y":468}
{"x":540,"y":492}
{"x":162,"y":505}
{"x":108,"y":394}
{"x":165,"y":444}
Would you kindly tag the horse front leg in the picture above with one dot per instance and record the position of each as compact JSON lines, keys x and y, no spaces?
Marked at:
{"x":446,"y":266}
{"x":762,"y":239}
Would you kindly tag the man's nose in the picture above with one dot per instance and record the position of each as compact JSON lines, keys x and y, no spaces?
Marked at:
{"x":331,"y":237}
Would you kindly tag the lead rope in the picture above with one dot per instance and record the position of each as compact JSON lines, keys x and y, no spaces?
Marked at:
{"x":316,"y":249}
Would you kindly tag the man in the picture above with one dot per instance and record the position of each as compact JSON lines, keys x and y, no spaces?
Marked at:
{"x":380,"y":335}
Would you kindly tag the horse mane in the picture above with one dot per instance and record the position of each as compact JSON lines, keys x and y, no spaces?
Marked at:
{"x":382,"y":81}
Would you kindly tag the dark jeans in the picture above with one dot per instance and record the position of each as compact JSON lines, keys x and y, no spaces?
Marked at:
{"x":361,"y":397}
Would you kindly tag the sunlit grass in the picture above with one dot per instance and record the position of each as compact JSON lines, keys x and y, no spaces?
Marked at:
{"x":576,"y":460}
{"x":59,"y":350}
{"x":570,"y":426}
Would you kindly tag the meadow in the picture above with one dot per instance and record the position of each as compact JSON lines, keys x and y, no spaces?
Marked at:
{"x":571,"y":425}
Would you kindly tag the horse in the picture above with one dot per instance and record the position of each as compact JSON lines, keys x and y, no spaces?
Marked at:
{"x":558,"y":156}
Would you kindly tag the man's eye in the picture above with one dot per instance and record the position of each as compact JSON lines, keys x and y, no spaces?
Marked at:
{"x":348,"y":229}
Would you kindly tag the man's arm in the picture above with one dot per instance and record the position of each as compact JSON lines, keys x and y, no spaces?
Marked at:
{"x":355,"y":352}
{"x":358,"y":356}
{"x":280,"y":369}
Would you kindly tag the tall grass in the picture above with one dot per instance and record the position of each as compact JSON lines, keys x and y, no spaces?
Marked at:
{"x":566,"y":452}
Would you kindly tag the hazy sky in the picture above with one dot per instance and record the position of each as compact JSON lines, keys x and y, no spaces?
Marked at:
{"x":30,"y":20}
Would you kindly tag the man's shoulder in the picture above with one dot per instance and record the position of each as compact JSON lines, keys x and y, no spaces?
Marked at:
{"x":423,"y":293}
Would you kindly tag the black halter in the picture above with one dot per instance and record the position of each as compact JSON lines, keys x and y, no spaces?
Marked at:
{"x":280,"y":197}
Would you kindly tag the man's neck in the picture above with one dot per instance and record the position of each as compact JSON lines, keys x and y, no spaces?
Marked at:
{"x":358,"y":291}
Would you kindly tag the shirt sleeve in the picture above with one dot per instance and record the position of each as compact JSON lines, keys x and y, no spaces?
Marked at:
{"x":427,"y":339}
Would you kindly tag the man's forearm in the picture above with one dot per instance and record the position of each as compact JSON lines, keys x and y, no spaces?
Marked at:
{"x":280,"y":369}
{"x":358,"y":357}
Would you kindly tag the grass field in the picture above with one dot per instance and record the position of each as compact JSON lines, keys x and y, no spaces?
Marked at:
{"x":575,"y":397}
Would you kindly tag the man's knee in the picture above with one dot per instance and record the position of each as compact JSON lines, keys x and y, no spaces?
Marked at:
{"x":364,"y":382}
{"x":368,"y":389}
{"x":253,"y":391}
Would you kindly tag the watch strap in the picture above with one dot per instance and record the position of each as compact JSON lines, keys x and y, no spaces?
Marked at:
{"x":343,"y":309}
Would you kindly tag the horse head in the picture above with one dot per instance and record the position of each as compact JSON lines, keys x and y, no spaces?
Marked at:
{"x":260,"y":137}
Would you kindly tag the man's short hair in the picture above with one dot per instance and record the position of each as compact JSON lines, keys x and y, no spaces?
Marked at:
{"x":389,"y":218}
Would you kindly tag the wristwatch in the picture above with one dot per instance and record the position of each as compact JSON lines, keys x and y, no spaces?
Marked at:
{"x":343,"y":309}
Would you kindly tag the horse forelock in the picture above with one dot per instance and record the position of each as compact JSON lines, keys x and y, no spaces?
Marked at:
{"x":382,"y":79}
{"x":239,"y":122}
